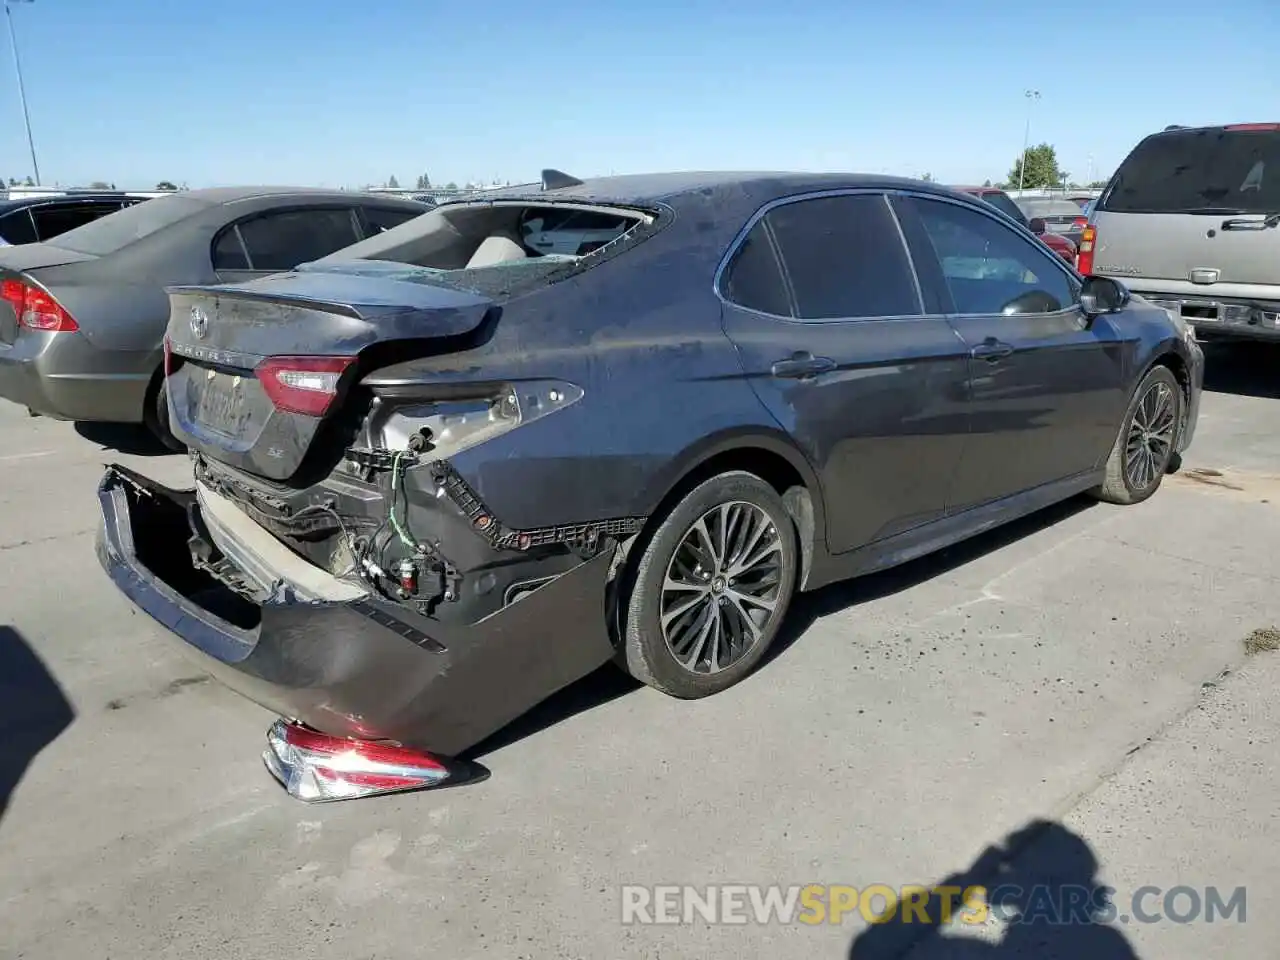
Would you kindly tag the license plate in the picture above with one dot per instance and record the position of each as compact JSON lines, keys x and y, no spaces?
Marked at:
{"x":220,"y":407}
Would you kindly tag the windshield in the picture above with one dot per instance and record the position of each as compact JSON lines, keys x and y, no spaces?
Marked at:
{"x":114,"y":231}
{"x":1051,"y":208}
{"x":1199,"y":171}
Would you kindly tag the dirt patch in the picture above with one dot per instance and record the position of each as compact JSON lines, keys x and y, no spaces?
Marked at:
{"x":1258,"y":487}
{"x":1262,"y":640}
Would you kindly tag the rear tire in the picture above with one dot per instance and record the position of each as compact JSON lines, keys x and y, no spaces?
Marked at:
{"x":711,"y":588}
{"x":155,"y":414}
{"x":1145,"y":446}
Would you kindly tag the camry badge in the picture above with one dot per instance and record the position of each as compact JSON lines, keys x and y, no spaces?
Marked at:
{"x":199,"y":323}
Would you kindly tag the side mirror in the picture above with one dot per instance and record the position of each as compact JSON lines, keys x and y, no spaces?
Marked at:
{"x":1037,"y":225}
{"x":1099,"y":295}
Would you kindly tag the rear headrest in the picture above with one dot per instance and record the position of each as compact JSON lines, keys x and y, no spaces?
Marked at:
{"x":496,"y":249}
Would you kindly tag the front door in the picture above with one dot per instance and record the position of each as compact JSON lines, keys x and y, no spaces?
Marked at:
{"x":1046,"y":386}
{"x":823,"y":305}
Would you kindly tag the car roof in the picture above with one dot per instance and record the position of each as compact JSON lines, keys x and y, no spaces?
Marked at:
{"x":222,"y":195}
{"x":969,"y":189}
{"x":651,"y":188}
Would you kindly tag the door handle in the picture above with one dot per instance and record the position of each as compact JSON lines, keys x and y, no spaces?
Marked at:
{"x":991,"y":350}
{"x":802,"y":365}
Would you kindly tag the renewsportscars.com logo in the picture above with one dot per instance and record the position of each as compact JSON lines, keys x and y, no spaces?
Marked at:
{"x":1059,"y":904}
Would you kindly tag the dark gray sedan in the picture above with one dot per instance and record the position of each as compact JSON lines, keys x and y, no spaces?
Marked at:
{"x":82,"y":316}
{"x":443,"y":473}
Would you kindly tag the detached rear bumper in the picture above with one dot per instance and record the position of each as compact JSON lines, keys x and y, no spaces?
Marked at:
{"x":366,"y":667}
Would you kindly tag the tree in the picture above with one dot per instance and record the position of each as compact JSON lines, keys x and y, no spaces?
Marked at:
{"x":451,"y":185}
{"x":13,"y":181}
{"x":393,"y":183}
{"x":986,"y":183}
{"x":1098,"y":184}
{"x":927,"y":177}
{"x":165,"y":185}
{"x":1042,"y":168}
{"x":29,"y":182}
{"x":424,"y":182}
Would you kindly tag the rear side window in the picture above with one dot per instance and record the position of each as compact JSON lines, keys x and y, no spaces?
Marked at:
{"x":378,"y":219}
{"x":845,"y":258}
{"x":55,"y":219}
{"x":281,"y":241}
{"x":754,"y":278}
{"x":1199,"y":171}
{"x":1004,"y":203}
{"x":108,"y":234}
{"x":228,"y":252}
{"x":17,"y":227}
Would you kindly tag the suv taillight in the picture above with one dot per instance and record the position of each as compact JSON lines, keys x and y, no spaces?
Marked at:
{"x":306,"y":385}
{"x":1084,"y":256}
{"x":36,"y":309}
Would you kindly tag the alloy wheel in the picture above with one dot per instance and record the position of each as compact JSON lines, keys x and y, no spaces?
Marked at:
{"x":721,"y":588}
{"x":1152,"y":429}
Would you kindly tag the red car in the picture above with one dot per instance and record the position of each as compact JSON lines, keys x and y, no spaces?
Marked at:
{"x":1004,"y":203}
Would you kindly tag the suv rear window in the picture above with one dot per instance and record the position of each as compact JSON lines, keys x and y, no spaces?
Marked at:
{"x":1216,"y":171}
{"x":109,"y":234}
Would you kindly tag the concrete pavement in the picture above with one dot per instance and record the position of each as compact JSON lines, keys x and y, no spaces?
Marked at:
{"x":1053,"y":670}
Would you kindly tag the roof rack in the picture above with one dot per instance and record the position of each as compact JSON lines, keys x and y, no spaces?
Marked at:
{"x":555,"y":179}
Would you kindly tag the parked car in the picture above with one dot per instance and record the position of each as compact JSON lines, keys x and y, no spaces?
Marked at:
{"x":36,"y":219}
{"x":1061,"y":217}
{"x":82,"y":315}
{"x":1004,"y":203}
{"x":439,"y":475}
{"x":1191,"y":219}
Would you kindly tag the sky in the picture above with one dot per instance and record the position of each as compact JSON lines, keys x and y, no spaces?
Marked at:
{"x":350,"y":93}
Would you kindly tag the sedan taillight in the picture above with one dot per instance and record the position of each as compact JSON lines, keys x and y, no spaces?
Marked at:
{"x":306,"y":385}
{"x":36,"y":309}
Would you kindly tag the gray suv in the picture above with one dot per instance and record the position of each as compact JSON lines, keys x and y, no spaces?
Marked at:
{"x":1191,"y":221}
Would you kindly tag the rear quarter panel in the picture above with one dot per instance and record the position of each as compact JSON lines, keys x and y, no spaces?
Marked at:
{"x":641,"y":335}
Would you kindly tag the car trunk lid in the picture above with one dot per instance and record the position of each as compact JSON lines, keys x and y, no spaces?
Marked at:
{"x":21,"y":264}
{"x":255,"y":370}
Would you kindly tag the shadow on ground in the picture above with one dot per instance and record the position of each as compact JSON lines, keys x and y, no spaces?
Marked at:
{"x":808,"y":607}
{"x":131,"y":438}
{"x":33,"y":710}
{"x":1042,"y":881}
{"x":609,"y":683}
{"x":1245,"y":369}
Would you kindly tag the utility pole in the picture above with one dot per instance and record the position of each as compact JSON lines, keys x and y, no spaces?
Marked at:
{"x":1032,"y":96}
{"x":22,"y":93}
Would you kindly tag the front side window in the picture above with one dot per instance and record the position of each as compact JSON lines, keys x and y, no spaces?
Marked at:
{"x":281,"y":241}
{"x":845,"y":258}
{"x":17,"y":227}
{"x":988,"y":267}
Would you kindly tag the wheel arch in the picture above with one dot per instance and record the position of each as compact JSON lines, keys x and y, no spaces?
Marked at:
{"x":769,"y":455}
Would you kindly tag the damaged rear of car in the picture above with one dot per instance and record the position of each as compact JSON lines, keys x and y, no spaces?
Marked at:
{"x":399,"y":529}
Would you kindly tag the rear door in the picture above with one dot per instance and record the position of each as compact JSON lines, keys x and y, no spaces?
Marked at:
{"x":823,"y":305}
{"x":1046,"y":387}
{"x":1185,"y":211}
{"x":278,"y":240}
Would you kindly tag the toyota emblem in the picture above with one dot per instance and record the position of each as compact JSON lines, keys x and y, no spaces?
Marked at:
{"x":199,"y":323}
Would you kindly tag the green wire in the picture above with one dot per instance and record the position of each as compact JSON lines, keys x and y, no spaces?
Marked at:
{"x":403,"y":534}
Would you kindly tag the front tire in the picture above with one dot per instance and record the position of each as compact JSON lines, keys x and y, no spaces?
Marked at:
{"x":711,"y":588}
{"x":1145,"y":448}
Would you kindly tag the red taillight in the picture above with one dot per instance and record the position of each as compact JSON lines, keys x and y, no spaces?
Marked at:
{"x":36,"y":309}
{"x":1252,"y":126}
{"x":1079,"y":223}
{"x":1084,"y":256}
{"x":314,"y":766}
{"x":305,"y":385}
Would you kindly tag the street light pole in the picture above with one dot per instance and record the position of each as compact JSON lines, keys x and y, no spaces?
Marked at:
{"x":1032,"y":96}
{"x":22,"y":93}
